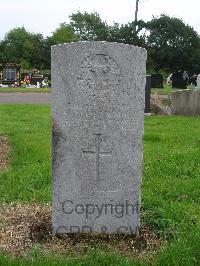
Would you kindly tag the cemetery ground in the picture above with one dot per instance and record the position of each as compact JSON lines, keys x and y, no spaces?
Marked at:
{"x":170,"y":226}
{"x":166,"y":90}
{"x":162,"y":91}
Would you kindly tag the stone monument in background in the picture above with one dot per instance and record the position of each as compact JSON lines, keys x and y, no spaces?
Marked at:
{"x":147,"y":108}
{"x":98,"y":110}
{"x":198,"y":81}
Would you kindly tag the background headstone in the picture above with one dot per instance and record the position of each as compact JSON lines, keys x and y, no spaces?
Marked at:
{"x":185,"y":102}
{"x":148,"y":94}
{"x":179,"y":80}
{"x":9,"y":74}
{"x":198,"y":81}
{"x":98,"y":109}
{"x":157,"y":81}
{"x":192,"y":80}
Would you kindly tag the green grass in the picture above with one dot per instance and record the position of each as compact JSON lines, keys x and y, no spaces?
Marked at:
{"x":166,"y":90}
{"x":25,"y":90}
{"x":170,"y":187}
{"x":94,"y":257}
{"x":28,"y":127}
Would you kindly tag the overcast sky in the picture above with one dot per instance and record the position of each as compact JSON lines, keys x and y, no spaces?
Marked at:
{"x":44,"y":16}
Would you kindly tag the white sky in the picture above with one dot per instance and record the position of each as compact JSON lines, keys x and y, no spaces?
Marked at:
{"x":44,"y":16}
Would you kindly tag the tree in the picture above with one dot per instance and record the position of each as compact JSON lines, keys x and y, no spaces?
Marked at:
{"x":63,"y":34}
{"x":89,"y":27}
{"x":173,"y":45}
{"x":2,"y":53}
{"x":25,"y":48}
{"x":17,"y":46}
{"x":126,"y":33}
{"x":170,"y":43}
{"x":46,"y":58}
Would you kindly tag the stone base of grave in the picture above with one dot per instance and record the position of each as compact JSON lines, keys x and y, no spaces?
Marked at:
{"x":186,"y":102}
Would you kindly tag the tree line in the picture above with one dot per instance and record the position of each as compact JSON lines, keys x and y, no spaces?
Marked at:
{"x":170,"y":43}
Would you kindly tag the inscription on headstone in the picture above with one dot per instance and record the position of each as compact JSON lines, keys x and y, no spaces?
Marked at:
{"x":98,"y":109}
{"x":97,"y":153}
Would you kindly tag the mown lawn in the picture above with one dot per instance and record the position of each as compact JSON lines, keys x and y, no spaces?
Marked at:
{"x":166,"y":90}
{"x":170,"y":189}
{"x":162,"y":91}
{"x":25,"y":90}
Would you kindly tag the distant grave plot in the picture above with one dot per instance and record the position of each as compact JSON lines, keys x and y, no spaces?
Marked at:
{"x":9,"y":74}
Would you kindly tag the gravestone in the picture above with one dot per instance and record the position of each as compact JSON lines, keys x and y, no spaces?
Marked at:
{"x":198,"y":81}
{"x":148,"y":94}
{"x":98,"y":109}
{"x":36,"y":77}
{"x":157,"y":81}
{"x":185,"y":102}
{"x":10,"y":74}
{"x":179,"y":80}
{"x":192,"y":80}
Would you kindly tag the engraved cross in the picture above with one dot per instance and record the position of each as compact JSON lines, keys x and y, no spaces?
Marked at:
{"x":98,"y":153}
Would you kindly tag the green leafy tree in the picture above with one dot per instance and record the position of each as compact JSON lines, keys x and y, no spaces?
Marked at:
{"x":126,"y":33}
{"x":25,"y":48}
{"x":17,"y":46}
{"x":89,"y":27}
{"x":2,"y":52}
{"x":63,"y":34}
{"x":46,"y":57}
{"x":41,"y":49}
{"x":170,"y":43}
{"x":173,"y":44}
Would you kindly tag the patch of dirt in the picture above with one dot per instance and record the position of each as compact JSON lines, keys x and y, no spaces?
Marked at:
{"x":22,"y":227}
{"x":4,"y":153}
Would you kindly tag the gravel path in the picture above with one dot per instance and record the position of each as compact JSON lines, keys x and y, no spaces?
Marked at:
{"x":28,"y":97}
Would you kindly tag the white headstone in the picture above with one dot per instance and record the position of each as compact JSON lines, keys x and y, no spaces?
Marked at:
{"x":98,"y":109}
{"x":198,"y":81}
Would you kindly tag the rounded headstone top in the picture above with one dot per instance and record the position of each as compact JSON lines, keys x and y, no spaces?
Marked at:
{"x":105,"y":43}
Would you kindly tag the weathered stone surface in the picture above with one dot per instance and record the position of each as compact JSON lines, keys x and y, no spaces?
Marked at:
{"x":185,"y":102}
{"x":98,"y":109}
